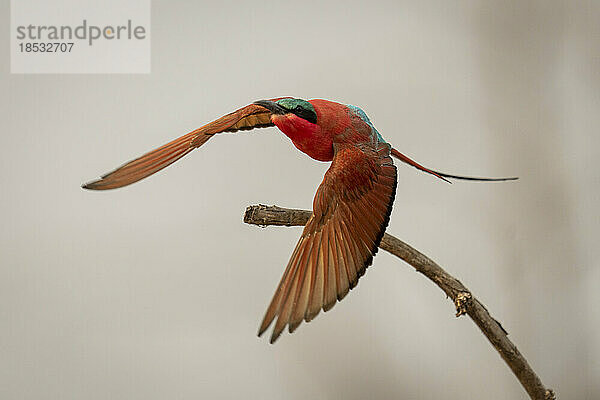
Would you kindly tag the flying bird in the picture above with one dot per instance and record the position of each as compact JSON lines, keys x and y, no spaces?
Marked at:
{"x":351,"y":208}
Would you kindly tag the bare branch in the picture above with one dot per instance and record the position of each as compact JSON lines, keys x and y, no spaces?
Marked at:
{"x":464,"y":301}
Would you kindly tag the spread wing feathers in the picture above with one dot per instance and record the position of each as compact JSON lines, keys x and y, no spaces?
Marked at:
{"x":246,"y":118}
{"x":351,"y":210}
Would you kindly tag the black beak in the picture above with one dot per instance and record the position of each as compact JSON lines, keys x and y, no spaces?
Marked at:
{"x":271,"y":106}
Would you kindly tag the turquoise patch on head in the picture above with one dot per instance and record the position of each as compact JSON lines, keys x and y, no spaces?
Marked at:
{"x":290,"y":104}
{"x":358,"y":111}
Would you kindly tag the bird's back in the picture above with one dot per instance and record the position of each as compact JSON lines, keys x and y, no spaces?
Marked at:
{"x":363,"y":116}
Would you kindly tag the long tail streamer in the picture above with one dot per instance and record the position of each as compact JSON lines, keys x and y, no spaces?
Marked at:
{"x":443,"y":175}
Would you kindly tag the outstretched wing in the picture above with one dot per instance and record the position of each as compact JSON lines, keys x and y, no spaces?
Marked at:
{"x":249,"y":117}
{"x":350,"y":213}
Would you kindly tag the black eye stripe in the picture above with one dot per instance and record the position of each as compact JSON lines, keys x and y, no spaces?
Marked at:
{"x":303,"y":113}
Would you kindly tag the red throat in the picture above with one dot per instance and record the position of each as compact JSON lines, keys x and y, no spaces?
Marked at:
{"x":294,"y":127}
{"x":306,"y":136}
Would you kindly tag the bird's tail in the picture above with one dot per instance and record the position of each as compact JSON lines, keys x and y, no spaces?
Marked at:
{"x":443,"y":175}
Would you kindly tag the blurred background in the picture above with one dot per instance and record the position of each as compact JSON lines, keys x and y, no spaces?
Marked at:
{"x":156,"y":290}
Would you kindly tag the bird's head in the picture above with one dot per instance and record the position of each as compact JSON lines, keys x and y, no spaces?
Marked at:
{"x":290,"y":114}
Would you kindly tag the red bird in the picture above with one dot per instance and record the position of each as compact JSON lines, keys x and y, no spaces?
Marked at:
{"x":351,"y":208}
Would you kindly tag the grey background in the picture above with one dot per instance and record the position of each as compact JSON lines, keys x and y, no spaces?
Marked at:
{"x":156,"y":291}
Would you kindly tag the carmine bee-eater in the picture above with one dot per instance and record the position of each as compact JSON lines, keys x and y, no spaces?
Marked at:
{"x":351,"y":208}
